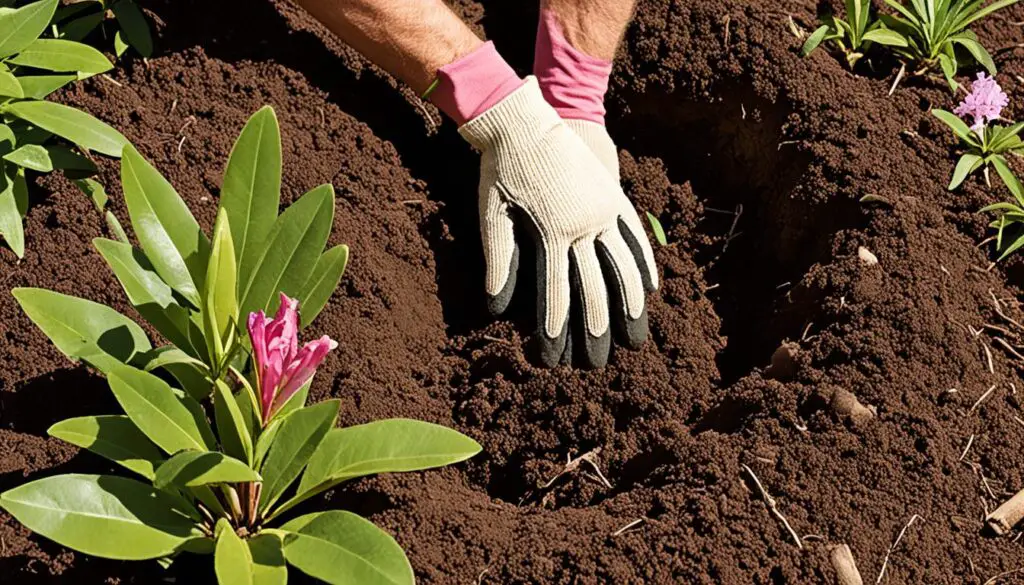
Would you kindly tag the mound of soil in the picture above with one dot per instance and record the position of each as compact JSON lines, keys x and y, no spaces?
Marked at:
{"x":862,"y":395}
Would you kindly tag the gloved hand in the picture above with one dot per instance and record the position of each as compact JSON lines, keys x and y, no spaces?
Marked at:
{"x":596,"y":137}
{"x":590,"y":242}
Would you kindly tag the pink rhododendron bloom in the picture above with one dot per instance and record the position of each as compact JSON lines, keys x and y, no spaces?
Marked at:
{"x":281,"y":367}
{"x":985,"y":102}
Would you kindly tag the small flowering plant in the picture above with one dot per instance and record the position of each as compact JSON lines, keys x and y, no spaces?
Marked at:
{"x":215,"y":425}
{"x":854,"y":35}
{"x":934,"y":29}
{"x":987,"y":143}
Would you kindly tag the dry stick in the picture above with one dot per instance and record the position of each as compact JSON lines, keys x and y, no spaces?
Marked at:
{"x":999,"y":311}
{"x":1008,"y":347}
{"x":967,"y":448}
{"x":899,"y":77}
{"x":732,"y":229}
{"x":772,"y":506}
{"x":1018,"y":419}
{"x":1003,"y":574}
{"x":982,"y":398}
{"x":620,"y":531}
{"x":885,"y":561}
{"x":988,"y":357}
{"x":573,"y":464}
{"x":846,"y":569}
{"x":1007,"y":515}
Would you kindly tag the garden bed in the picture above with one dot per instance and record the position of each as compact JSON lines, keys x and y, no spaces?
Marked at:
{"x":755,"y":161}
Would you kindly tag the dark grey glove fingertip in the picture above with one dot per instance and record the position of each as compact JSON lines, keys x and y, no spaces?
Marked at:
{"x":497,"y":304}
{"x":634,"y":331}
{"x":552,"y":349}
{"x":597,"y":349}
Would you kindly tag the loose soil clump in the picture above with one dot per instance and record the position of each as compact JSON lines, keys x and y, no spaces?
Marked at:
{"x":872,"y":401}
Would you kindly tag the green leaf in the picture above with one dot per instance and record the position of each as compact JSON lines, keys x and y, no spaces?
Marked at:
{"x":296,"y":441}
{"x":61,"y":55}
{"x":19,"y":27}
{"x":968,"y":17}
{"x":148,"y":293}
{"x":220,"y":295}
{"x":958,"y":126}
{"x":341,"y":548}
{"x":81,"y":328}
{"x":95,"y":190}
{"x":134,"y":26}
{"x":9,"y":86}
{"x":66,"y":159}
{"x":168,"y":355}
{"x":977,"y":51}
{"x":322,"y":283}
{"x":120,"y":45}
{"x":8,"y":141}
{"x":114,"y":226}
{"x":290,"y":252}
{"x":814,"y":40}
{"x":967,"y":164}
{"x":40,"y":86}
{"x":294,"y":402}
{"x":949,"y":67}
{"x":1009,"y":179}
{"x":1013,"y":247}
{"x":31,"y":156}
{"x":251,"y":191}
{"x":1005,"y":140}
{"x":13,"y":203}
{"x":74,"y":125}
{"x":79,"y":28}
{"x":386,"y":446}
{"x":168,"y":233}
{"x":114,"y":437}
{"x":231,"y":426}
{"x":196,"y":468}
{"x":164,"y":415}
{"x":268,"y":565}
{"x":659,"y":232}
{"x":884,"y":36}
{"x":1002,"y":206}
{"x":102,"y":515}
{"x":232,"y":560}
{"x":264,"y":442}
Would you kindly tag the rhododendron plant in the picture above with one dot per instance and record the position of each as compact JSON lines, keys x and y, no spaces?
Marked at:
{"x":221,"y":484}
{"x":987,"y":143}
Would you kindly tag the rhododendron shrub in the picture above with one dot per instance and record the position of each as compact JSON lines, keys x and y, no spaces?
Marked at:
{"x":222,"y":483}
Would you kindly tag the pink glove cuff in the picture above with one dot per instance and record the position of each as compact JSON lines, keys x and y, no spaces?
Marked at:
{"x":472,"y":84}
{"x":573,"y":82}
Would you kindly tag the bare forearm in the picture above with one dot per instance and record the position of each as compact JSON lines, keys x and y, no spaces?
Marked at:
{"x":411,"y":39}
{"x":594,"y":27}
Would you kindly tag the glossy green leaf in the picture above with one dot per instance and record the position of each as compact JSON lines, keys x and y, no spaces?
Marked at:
{"x":61,"y":55}
{"x":251,"y":191}
{"x":13,"y":204}
{"x":294,"y":402}
{"x":220,"y":294}
{"x":77,"y":29}
{"x":1009,"y":179}
{"x":168,"y":355}
{"x":81,"y":328}
{"x":1001,"y":206}
{"x":296,"y":441}
{"x":114,"y":437}
{"x":101,"y":515}
{"x":977,"y":51}
{"x":196,"y":468}
{"x":40,"y":86}
{"x":949,"y":67}
{"x":120,"y":45}
{"x":814,"y":40}
{"x":72,"y":163}
{"x":114,"y":227}
{"x":967,"y":164}
{"x":161,"y":413}
{"x":8,"y":141}
{"x":21,"y":26}
{"x":95,"y":190}
{"x":134,"y":27}
{"x":322,"y":283}
{"x":958,"y":126}
{"x":290,"y":251}
{"x":884,"y":36}
{"x":659,"y":232}
{"x":148,"y":293}
{"x":168,"y":233}
{"x":74,"y":125}
{"x":9,"y":86}
{"x":341,"y":548}
{"x":1013,"y":247}
{"x":231,"y":425}
{"x":268,"y":564}
{"x":386,"y":446}
{"x":232,"y":561}
{"x":264,"y":442}
{"x":31,"y":156}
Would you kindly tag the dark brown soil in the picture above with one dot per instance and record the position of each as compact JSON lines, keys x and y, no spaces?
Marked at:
{"x":713,"y":110}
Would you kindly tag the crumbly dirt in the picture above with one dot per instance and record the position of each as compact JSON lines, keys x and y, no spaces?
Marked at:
{"x":754,"y":159}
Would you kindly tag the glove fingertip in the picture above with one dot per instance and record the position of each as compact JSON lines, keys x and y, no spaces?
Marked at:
{"x":498,"y":303}
{"x":552,"y":349}
{"x":634,"y":331}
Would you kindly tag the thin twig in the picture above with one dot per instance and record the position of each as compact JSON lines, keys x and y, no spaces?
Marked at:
{"x":899,"y":77}
{"x":967,"y":448}
{"x":622,"y":530}
{"x":1008,"y":347}
{"x":572,"y":465}
{"x":982,"y":398}
{"x":732,"y":229}
{"x":988,"y":358}
{"x":885,"y":561}
{"x":772,"y":506}
{"x":1003,"y":574}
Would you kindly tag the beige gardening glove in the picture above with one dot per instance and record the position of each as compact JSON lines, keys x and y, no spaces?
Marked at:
{"x":590,"y":243}
{"x":596,"y":137}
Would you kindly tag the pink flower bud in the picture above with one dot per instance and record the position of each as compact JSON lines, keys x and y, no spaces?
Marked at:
{"x":985,"y":102}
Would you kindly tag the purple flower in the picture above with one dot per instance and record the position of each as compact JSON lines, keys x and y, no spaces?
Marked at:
{"x":281,"y":367}
{"x":985,"y":102}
